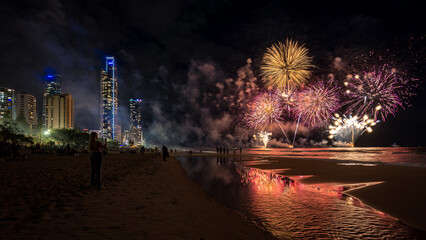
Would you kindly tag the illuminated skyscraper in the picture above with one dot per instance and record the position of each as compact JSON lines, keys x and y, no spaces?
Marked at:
{"x":59,"y":111}
{"x":136,"y":134}
{"x":26,"y":106}
{"x":7,"y":103}
{"x":136,"y":113}
{"x":109,"y":100}
{"x":52,"y":86}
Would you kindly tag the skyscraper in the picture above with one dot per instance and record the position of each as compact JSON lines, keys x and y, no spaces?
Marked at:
{"x":52,"y":86}
{"x":136,"y":134}
{"x":26,"y":106}
{"x":109,"y":100}
{"x":59,"y":111}
{"x":7,"y":103}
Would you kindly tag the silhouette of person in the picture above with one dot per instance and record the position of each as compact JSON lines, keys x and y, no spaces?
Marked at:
{"x":165,"y":152}
{"x":96,"y":147}
{"x":142,"y":151}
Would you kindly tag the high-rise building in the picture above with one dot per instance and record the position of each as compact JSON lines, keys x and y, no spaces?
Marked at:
{"x":125,"y":137}
{"x":136,"y":134}
{"x":26,"y":107}
{"x":136,"y":112}
{"x":52,"y":86}
{"x":59,"y":111}
{"x":109,"y":100}
{"x":7,"y":103}
{"x":118,"y":135}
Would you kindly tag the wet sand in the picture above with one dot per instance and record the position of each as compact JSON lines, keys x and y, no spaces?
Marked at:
{"x":399,"y":193}
{"x":49,"y":197}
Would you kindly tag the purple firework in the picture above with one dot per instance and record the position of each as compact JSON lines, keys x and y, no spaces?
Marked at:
{"x":316,"y":104}
{"x":265,"y":110}
{"x":377,"y":93}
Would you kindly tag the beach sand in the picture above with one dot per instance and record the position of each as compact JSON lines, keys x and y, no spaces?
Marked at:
{"x":50,"y":197}
{"x":399,"y":193}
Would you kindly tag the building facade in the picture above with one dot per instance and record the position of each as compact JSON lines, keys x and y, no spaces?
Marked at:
{"x":52,"y":87}
{"x":59,"y":111}
{"x":26,"y":106}
{"x":136,"y":134}
{"x":109,"y":100}
{"x":7,"y":103}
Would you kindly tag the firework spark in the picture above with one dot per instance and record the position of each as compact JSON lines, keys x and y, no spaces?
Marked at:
{"x":316,"y":104}
{"x":286,"y":66}
{"x":377,"y":93}
{"x":263,"y":136}
{"x":266,"y":110}
{"x":349,"y":129}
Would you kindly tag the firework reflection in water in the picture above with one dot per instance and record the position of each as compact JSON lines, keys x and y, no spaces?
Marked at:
{"x":349,"y":129}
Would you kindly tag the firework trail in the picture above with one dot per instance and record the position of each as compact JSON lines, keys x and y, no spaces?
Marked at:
{"x":286,"y":66}
{"x":348,"y":129}
{"x":315,"y":105}
{"x":266,"y":110}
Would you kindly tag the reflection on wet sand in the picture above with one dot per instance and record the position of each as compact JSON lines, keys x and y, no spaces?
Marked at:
{"x":290,"y":209}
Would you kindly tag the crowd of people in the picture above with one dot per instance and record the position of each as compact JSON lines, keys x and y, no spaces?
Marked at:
{"x":225,"y":150}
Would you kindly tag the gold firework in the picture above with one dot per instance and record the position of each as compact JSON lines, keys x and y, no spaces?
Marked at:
{"x":286,"y":66}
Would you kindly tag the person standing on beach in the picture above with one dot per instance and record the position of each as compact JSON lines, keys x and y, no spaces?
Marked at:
{"x":165,"y":152}
{"x":142,"y":151}
{"x":96,"y":147}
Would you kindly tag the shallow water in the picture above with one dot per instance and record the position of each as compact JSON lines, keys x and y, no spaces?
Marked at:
{"x":288,"y":209}
{"x":393,"y":155}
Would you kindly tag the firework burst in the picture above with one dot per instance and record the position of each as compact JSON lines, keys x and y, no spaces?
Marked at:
{"x":286,"y":66}
{"x":349,"y":129}
{"x":377,"y":93}
{"x":316,"y":104}
{"x":265,"y":110}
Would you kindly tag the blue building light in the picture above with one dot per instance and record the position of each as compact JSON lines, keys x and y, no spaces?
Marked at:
{"x":49,"y":76}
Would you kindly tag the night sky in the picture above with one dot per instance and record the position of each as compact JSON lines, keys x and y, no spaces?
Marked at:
{"x":190,"y":60}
